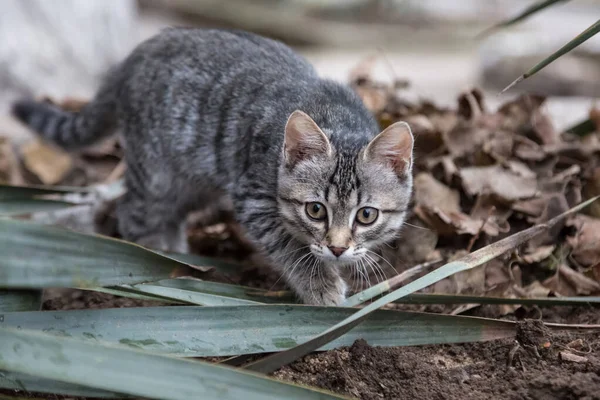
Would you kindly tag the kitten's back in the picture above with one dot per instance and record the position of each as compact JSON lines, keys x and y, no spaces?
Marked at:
{"x":178,"y":67}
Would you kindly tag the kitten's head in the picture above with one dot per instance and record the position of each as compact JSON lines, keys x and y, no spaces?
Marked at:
{"x":343,"y":202}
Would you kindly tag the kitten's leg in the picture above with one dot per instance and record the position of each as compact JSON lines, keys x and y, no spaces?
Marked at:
{"x":150,"y":215}
{"x":315,"y":282}
{"x":312,"y":280}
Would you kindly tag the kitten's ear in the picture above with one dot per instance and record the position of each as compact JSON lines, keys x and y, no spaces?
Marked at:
{"x":393,"y":146}
{"x":304,"y":138}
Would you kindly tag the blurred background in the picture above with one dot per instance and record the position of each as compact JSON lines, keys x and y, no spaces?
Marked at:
{"x":61,"y":48}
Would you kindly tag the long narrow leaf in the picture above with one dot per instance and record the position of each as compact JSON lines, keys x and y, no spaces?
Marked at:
{"x":528,"y":12}
{"x":415,"y":298}
{"x":579,"y":39}
{"x":24,"y":382}
{"x":201,"y":292}
{"x":387,"y":285}
{"x":38,"y":256}
{"x":12,"y":207}
{"x":431,"y":298}
{"x":477,"y":258}
{"x":195,"y":291}
{"x":583,"y":128}
{"x":28,"y":192}
{"x":134,"y":372}
{"x":225,"y":331}
{"x":20,"y":300}
{"x":226,"y":267}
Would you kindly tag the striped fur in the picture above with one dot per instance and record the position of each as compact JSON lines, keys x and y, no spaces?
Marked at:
{"x":203,"y":115}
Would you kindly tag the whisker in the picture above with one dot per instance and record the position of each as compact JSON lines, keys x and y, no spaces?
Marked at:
{"x":369,"y":263}
{"x":311,"y":273}
{"x":366,"y":273}
{"x":377,"y":269}
{"x":383,"y":258}
{"x":417,"y":227}
{"x":292,"y":266}
{"x":293,"y":251}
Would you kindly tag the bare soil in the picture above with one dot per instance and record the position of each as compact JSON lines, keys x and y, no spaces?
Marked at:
{"x":504,"y":369}
{"x":539,"y":364}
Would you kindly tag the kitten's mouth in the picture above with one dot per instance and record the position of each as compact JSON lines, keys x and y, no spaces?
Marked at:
{"x":343,"y":260}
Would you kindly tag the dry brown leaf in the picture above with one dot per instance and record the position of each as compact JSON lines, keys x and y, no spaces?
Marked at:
{"x":439,"y":207}
{"x":559,"y":286}
{"x":595,"y":117}
{"x":416,"y":245}
{"x":465,"y":138}
{"x":581,"y":283}
{"x":532,"y":207}
{"x":68,"y":104}
{"x":431,"y":193}
{"x":535,"y":290}
{"x":427,"y":137}
{"x":374,"y":98}
{"x":499,"y":277}
{"x":555,"y":205}
{"x":520,"y":169}
{"x":591,"y":189}
{"x":543,"y":128}
{"x":517,"y":113}
{"x":568,"y":356}
{"x":499,"y":147}
{"x":527,"y":150}
{"x":9,"y":168}
{"x":487,"y":209}
{"x":502,"y":183}
{"x":586,"y":241}
{"x":538,"y":254}
{"x":50,"y":164}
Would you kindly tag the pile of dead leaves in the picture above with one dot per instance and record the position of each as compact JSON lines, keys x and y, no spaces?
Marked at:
{"x":36,"y":162}
{"x":481,"y":175}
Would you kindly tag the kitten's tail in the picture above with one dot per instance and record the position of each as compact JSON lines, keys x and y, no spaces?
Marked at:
{"x":71,"y":130}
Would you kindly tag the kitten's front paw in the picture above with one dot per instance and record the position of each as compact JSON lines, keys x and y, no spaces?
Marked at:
{"x":330,"y":295}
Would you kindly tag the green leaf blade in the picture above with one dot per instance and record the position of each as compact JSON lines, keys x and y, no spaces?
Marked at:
{"x":526,"y":13}
{"x":235,"y":330}
{"x":38,"y":256}
{"x":578,"y":40}
{"x":134,"y":372}
{"x":15,"y":207}
{"x":20,"y":300}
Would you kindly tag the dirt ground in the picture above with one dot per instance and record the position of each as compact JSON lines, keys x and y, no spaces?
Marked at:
{"x":538,"y":364}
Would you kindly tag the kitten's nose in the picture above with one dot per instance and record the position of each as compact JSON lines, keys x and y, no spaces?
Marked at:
{"x":337,"y":251}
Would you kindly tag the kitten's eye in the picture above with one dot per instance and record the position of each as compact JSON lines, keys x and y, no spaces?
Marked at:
{"x":316,"y":211}
{"x":366,"y":215}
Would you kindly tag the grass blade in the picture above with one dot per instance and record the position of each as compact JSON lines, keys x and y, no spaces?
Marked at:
{"x":134,"y":372}
{"x":20,"y":300}
{"x":582,"y":37}
{"x":39,"y":256}
{"x":14,"y":207}
{"x":477,"y":258}
{"x":27,"y":192}
{"x":432,"y":298}
{"x":195,"y":291}
{"x":387,"y":285}
{"x":528,"y":12}
{"x":16,"y":381}
{"x":208,"y":263}
{"x":583,"y":128}
{"x":235,"y":330}
{"x":192,"y":297}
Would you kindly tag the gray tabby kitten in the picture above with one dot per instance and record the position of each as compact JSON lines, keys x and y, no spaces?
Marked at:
{"x":214,"y":117}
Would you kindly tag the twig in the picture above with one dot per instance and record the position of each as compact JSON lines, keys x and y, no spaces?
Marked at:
{"x":474,"y":238}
